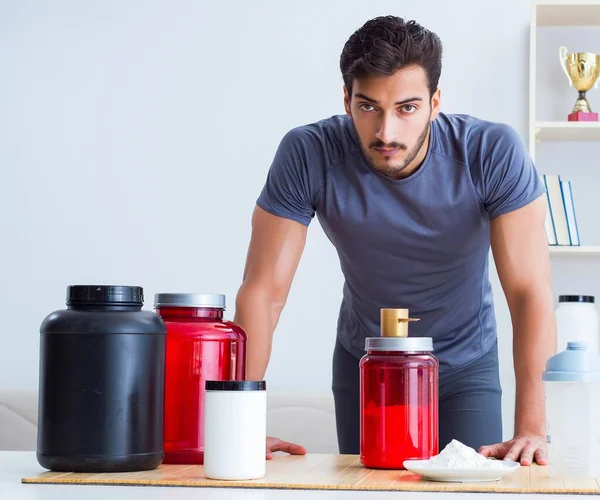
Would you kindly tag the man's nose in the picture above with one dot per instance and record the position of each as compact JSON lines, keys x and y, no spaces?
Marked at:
{"x":387,"y":131}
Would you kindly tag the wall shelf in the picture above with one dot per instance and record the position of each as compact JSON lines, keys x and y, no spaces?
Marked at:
{"x":568,"y":13}
{"x":582,"y":250}
{"x":567,"y":131}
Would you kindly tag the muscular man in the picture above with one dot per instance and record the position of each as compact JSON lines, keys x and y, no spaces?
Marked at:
{"x":412,"y":199}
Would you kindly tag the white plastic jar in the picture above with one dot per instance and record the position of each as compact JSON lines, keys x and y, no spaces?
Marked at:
{"x":577,"y":320}
{"x":235,"y":430}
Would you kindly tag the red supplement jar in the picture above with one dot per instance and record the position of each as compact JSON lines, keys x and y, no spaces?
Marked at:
{"x":200,"y":346}
{"x":398,"y":396}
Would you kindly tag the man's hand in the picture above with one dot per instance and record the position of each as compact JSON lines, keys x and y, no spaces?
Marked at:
{"x":524,"y":449}
{"x":276,"y":444}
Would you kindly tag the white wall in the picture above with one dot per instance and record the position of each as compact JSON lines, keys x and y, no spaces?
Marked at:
{"x":135,"y":137}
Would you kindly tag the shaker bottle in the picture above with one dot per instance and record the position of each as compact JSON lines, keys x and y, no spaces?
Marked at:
{"x":398,"y":395}
{"x":572,"y":383}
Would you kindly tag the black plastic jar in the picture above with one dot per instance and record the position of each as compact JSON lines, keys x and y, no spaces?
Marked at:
{"x":101,"y":383}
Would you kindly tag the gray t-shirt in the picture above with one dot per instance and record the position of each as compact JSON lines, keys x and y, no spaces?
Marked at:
{"x":421,"y":242}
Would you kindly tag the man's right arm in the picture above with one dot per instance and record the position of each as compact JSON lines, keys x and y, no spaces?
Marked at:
{"x":276,"y":245}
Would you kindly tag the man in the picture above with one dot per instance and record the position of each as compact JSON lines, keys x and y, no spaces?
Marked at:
{"x":412,"y":199}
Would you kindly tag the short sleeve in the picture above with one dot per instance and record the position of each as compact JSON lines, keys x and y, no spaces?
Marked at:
{"x":292,"y":180}
{"x":509,"y":179}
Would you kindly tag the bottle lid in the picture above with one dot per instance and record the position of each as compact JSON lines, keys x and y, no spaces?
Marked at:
{"x":235,"y":385}
{"x":400,"y":344}
{"x":576,"y":298}
{"x":394,"y":322}
{"x":216,"y":300}
{"x":105,"y":294}
{"x":576,"y":364}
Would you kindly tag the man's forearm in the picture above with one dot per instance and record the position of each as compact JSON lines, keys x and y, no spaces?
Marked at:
{"x":534,"y":341}
{"x":257,"y":314}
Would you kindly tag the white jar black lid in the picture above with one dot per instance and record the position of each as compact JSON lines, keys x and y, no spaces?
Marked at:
{"x":577,"y":298}
{"x":235,"y":385}
{"x":212,"y":300}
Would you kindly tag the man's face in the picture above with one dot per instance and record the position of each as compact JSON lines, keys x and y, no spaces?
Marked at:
{"x":392,"y":115}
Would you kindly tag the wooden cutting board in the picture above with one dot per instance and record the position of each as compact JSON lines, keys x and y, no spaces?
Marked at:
{"x":327,"y":472}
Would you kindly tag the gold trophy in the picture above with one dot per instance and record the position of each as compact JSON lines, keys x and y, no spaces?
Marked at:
{"x":582,"y":70}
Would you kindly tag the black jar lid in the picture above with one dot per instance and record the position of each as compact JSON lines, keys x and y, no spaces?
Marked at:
{"x":105,"y":294}
{"x":235,"y":385}
{"x":576,"y":298}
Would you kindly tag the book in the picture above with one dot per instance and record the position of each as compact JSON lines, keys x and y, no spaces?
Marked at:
{"x":557,"y":209}
{"x":549,"y":223}
{"x":567,"y":194}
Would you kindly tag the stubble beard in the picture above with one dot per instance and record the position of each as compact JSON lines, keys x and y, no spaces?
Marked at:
{"x":395,"y":169}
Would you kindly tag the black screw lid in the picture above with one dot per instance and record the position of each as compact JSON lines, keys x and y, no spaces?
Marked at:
{"x":235,"y":385}
{"x":105,"y":294}
{"x":576,"y":298}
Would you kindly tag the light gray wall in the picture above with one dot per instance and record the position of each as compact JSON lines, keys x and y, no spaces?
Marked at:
{"x":135,"y":137}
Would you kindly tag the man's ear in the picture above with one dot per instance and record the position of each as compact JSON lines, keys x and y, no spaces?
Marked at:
{"x":436,"y":103}
{"x":347,"y":101}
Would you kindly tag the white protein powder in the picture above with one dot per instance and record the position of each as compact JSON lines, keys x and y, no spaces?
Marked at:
{"x":459,"y":456}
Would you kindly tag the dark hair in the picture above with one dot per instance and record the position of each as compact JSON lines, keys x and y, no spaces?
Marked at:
{"x":384,"y":45}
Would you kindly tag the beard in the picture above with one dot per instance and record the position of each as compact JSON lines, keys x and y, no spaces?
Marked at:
{"x":394,"y":170}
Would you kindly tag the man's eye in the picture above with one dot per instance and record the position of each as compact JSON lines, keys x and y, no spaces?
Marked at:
{"x":408,"y":108}
{"x":366,"y":107}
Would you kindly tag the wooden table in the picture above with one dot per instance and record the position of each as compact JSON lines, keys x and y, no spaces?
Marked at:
{"x":16,"y":465}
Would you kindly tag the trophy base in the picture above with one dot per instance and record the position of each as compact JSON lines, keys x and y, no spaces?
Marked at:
{"x":581,"y":116}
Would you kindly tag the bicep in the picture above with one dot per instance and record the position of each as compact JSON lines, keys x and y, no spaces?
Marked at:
{"x":520,"y":248}
{"x":276,"y":245}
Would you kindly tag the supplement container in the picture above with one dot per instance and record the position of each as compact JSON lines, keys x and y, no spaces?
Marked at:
{"x":101,"y":383}
{"x":201,"y":346}
{"x":235,"y":429}
{"x":572,"y":383}
{"x":398,"y":396}
{"x":577,"y":320}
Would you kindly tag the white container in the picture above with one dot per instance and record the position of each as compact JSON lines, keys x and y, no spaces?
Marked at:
{"x":235,"y":430}
{"x":577,"y":320}
{"x":572,"y":383}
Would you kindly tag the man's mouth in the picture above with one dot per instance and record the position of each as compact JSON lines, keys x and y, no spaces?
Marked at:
{"x":387,"y":151}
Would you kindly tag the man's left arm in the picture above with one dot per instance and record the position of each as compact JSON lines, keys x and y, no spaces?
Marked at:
{"x":520,"y":251}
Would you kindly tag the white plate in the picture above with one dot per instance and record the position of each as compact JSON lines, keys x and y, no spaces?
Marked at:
{"x":498,"y":470}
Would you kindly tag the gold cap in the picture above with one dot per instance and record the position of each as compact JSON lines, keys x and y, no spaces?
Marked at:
{"x":394,"y":322}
